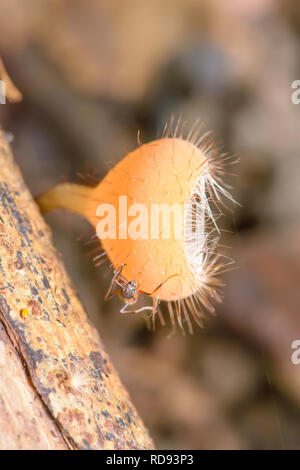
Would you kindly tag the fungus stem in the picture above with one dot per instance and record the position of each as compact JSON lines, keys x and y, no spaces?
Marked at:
{"x":69,"y":196}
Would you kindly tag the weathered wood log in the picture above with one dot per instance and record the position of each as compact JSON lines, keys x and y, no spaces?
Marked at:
{"x":58,"y":389}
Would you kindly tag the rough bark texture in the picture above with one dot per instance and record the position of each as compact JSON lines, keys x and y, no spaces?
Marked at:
{"x":58,"y":389}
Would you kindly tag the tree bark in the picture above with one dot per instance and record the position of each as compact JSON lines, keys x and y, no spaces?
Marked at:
{"x":58,"y":389}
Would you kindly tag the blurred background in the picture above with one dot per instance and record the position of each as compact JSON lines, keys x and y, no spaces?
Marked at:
{"x":94,"y":72}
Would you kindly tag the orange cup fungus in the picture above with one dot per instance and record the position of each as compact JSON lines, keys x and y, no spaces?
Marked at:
{"x":155,"y":215}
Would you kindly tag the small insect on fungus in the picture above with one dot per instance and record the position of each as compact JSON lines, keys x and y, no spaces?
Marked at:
{"x":128,"y":292}
{"x":155,"y":214}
